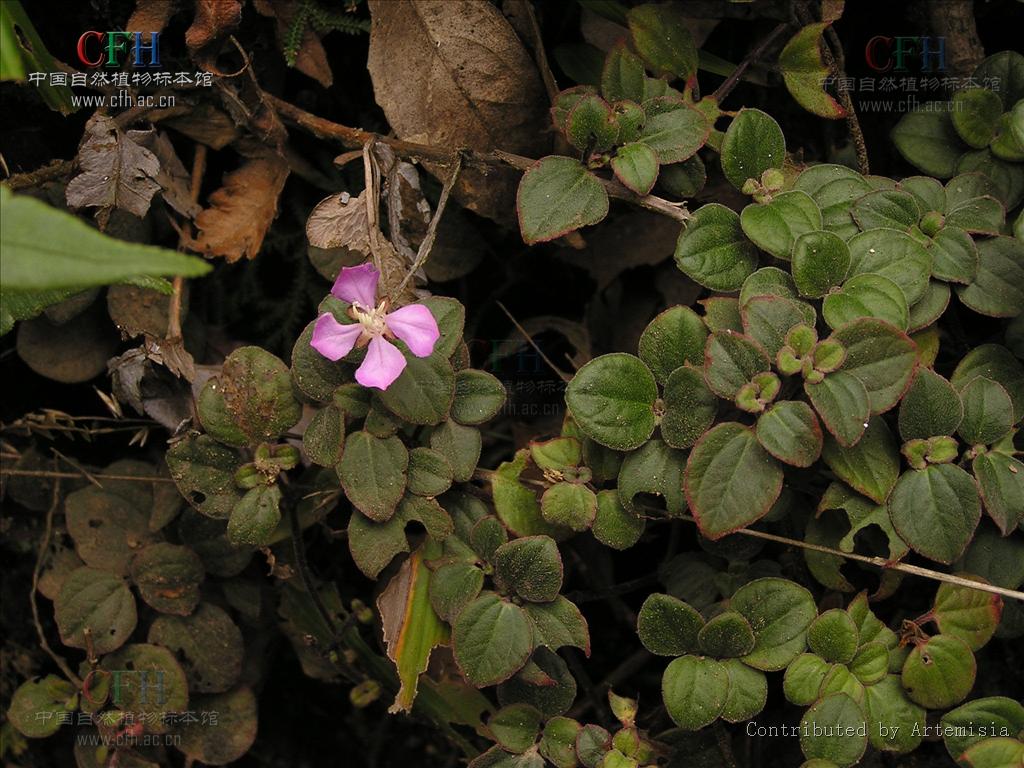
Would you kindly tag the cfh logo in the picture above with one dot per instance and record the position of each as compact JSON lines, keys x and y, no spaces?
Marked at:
{"x":895,"y":54}
{"x":113,"y":49}
{"x":146,"y":687}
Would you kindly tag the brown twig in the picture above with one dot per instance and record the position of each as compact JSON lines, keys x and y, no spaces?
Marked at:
{"x":77,"y":476}
{"x":43,"y":545}
{"x":730,"y":82}
{"x":356,"y":138}
{"x":529,"y":340}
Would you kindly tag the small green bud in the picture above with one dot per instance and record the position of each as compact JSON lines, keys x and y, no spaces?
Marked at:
{"x":942,"y":450}
{"x":932,"y":222}
{"x":627,"y":741}
{"x":802,"y":339}
{"x":249,"y":476}
{"x":747,"y":399}
{"x":622,"y":707}
{"x":814,"y":377}
{"x":773,"y":179}
{"x":364,"y":694}
{"x":750,"y":186}
{"x":363,"y":613}
{"x":787,"y":361}
{"x":768,"y":386}
{"x":916,"y":451}
{"x":828,"y":356}
{"x":286,"y":456}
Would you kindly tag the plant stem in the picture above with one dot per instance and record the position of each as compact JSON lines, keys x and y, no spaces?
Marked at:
{"x":730,"y":82}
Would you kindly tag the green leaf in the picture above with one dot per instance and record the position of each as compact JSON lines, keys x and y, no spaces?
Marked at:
{"x":821,"y":261}
{"x":430,"y":474}
{"x":988,"y":412}
{"x":612,"y":400}
{"x":1001,"y":484}
{"x":460,"y":445}
{"x":107,"y":529}
{"x":24,"y":52}
{"x":615,"y":526}
{"x":255,"y":517}
{"x":926,"y":139}
{"x":832,"y":712}
{"x":843,"y":404}
{"x":694,"y":690}
{"x":591,"y":124}
{"x":558,"y":195}
{"x":98,"y":601}
{"x":861,"y":513}
{"x":872,"y":466}
{"x":492,"y":640}
{"x":39,"y":707}
{"x":208,"y":644}
{"x":954,"y":255}
{"x":318,"y":378}
{"x":661,"y":35}
{"x":930,"y":408}
{"x":804,"y":71}
{"x":203,"y":470}
{"x":1008,"y":177}
{"x":557,"y":454}
{"x":623,"y":75}
{"x":972,"y":204}
{"x":74,"y":254}
{"x":452,"y":587}
{"x":515,"y":727}
{"x":999,"y":752}
{"x":450,"y":315}
{"x":257,"y":391}
{"x":998,"y":287}
{"x":974,"y":722}
{"x":939,"y":672}
{"x":230,"y":736}
{"x":871,"y":662}
{"x":570,"y":505}
{"x":890,"y":208}
{"x":975,"y":115}
{"x":998,"y":364}
{"x":656,"y":469}
{"x":748,"y":692}
{"x":636,"y":166}
{"x":168,"y":577}
{"x":673,"y":338}
{"x":731,"y":481}
{"x":683,"y":180}
{"x":713,"y":251}
{"x":774,"y":226}
{"x":545,"y":683}
{"x":424,"y":391}
{"x":373,"y":473}
{"x":515,"y":503}
{"x":935,"y":510}
{"x":803,"y":678}
{"x":690,"y":408}
{"x":929,"y":192}
{"x":727,"y":635}
{"x":780,"y":612}
{"x":137,"y":667}
{"x":558,"y":744}
{"x":667,"y":626}
{"x":767,"y":281}
{"x":834,"y":636}
{"x":767,"y":320}
{"x":675,"y":135}
{"x":1007,"y":69}
{"x":882,"y":357}
{"x":559,"y":623}
{"x":790,"y":432}
{"x":479,"y":397}
{"x":930,"y":307}
{"x":753,"y":143}
{"x":834,"y":188}
{"x":732,"y":360}
{"x":531,"y":567}
{"x":970,"y":614}
{"x":867,"y":295}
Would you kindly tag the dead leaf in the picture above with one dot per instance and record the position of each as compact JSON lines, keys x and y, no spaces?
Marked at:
{"x":137,"y":311}
{"x":241,"y":211}
{"x":453,"y":73}
{"x":213,"y":20}
{"x":70,"y":353}
{"x":340,"y":221}
{"x":207,"y":125}
{"x":151,"y":16}
{"x":116,"y":172}
{"x":149,"y":389}
{"x":310,"y":56}
{"x":175,"y":182}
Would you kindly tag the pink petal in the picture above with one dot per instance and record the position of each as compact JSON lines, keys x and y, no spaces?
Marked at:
{"x":416,"y":326}
{"x":357,"y":285}
{"x":383,"y":364}
{"x":332,"y":339}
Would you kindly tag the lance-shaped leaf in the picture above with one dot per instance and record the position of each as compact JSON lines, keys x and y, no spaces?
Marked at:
{"x":774,"y":226}
{"x":492,"y":639}
{"x":411,"y":628}
{"x":935,"y":510}
{"x":780,"y":612}
{"x":612,"y":400}
{"x":730,"y":480}
{"x":373,"y":473}
{"x":790,"y":432}
{"x":882,"y":357}
{"x":694,"y":690}
{"x":939,"y":672}
{"x":872,"y":466}
{"x":713,"y":251}
{"x":753,"y":143}
{"x":804,"y":72}
{"x":558,"y":195}
{"x":844,"y":405}
{"x":732,"y":360}
{"x":867,"y":295}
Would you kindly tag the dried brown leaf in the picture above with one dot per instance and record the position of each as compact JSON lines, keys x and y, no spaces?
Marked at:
{"x":175,"y":182}
{"x":453,"y":73}
{"x":116,"y":172}
{"x":340,"y":221}
{"x":241,"y":211}
{"x":213,"y":20}
{"x":151,"y":16}
{"x":311,"y":58}
{"x":207,"y":125}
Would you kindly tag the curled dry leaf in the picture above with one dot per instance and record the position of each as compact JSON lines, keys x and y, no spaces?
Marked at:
{"x":116,"y":171}
{"x":151,"y":16}
{"x":242,"y":210}
{"x":310,"y":57}
{"x":340,"y":221}
{"x":213,"y":20}
{"x":453,"y":73}
{"x":172,"y":177}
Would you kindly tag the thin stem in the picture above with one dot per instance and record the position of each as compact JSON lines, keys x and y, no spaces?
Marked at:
{"x":731,"y":81}
{"x":77,"y":475}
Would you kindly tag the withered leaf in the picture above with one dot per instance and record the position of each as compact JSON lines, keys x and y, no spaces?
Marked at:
{"x":151,"y":16}
{"x":116,"y":172}
{"x":340,"y":221}
{"x":213,"y":20}
{"x":173,"y":179}
{"x":310,"y":58}
{"x":453,"y":73}
{"x":242,"y":210}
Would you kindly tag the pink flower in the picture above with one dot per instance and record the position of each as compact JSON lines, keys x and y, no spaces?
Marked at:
{"x":373,"y":326}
